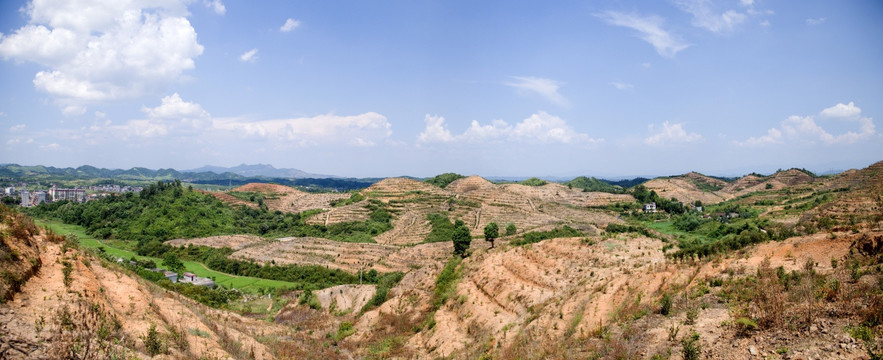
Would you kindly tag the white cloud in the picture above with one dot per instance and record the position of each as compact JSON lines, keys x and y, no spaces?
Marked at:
{"x":538,"y":128}
{"x":16,"y":141}
{"x":17,"y":128}
{"x":498,"y":129}
{"x":216,"y":5}
{"x":144,"y":128}
{"x":73,"y":110}
{"x":649,"y":29}
{"x":173,"y":107}
{"x":841,"y":110}
{"x":249,"y":56}
{"x":671,"y":134}
{"x":361,"y":130}
{"x":547,"y":88}
{"x":805,"y":129}
{"x":747,"y":3}
{"x":813,"y":22}
{"x":51,"y":147}
{"x":290,"y":24}
{"x":103,"y":51}
{"x":773,"y":136}
{"x":705,"y":16}
{"x":435,"y":131}
{"x":621,"y":85}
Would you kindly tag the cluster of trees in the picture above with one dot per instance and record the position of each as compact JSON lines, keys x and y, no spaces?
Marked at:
{"x":443,"y":180}
{"x":672,"y":206}
{"x":534,"y":182}
{"x":593,"y":184}
{"x":167,"y":210}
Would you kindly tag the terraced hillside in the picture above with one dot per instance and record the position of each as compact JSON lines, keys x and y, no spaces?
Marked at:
{"x":693,"y":186}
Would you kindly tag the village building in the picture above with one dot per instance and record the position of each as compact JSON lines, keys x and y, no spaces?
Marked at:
{"x":650,"y":207}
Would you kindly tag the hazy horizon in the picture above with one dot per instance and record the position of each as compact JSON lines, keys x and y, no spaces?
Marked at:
{"x":499,"y":89}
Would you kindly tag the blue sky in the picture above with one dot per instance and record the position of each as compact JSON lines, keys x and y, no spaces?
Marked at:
{"x":385,"y":88}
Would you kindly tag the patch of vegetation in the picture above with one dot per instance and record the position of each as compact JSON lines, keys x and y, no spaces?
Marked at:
{"x":166,"y":211}
{"x":511,"y":229}
{"x":446,"y":282}
{"x":384,"y":283}
{"x":537,"y":236}
{"x":442,"y":228}
{"x":706,"y":186}
{"x":354,"y":198}
{"x":692,"y":348}
{"x":534,"y":182}
{"x":593,"y":184}
{"x":443,"y":180}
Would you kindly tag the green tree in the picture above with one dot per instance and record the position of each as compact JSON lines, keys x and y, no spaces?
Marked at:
{"x":461,"y":238}
{"x":491,"y":233}
{"x":510,"y":229}
{"x":172,"y":263}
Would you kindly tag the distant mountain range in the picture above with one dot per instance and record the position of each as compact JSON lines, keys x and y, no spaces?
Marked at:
{"x":257,"y":170}
{"x":206,"y":173}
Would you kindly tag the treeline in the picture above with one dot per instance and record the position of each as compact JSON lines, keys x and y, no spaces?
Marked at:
{"x":305,"y":277}
{"x":168,"y":210}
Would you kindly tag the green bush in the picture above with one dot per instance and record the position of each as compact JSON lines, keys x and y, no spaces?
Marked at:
{"x":692,"y":348}
{"x":537,"y":236}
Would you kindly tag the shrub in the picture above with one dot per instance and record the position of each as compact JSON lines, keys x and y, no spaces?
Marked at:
{"x":665,"y":304}
{"x":152,"y":342}
{"x":510,"y":229}
{"x":692,"y":347}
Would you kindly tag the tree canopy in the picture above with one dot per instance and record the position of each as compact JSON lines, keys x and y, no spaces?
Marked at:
{"x":462,"y":238}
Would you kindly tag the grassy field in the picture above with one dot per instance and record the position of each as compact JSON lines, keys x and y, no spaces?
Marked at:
{"x":244,"y":283}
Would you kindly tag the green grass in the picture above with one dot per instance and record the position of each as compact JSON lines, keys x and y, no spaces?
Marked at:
{"x":244,"y":283}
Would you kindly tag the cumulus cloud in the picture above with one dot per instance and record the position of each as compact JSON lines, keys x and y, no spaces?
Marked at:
{"x":538,"y":128}
{"x":103,"y":51}
{"x":842,"y":111}
{"x":361,"y":130}
{"x":249,"y":56}
{"x":173,"y":107}
{"x":17,"y":128}
{"x":705,"y":16}
{"x":546,"y":88}
{"x":290,"y":25}
{"x":435,"y":131}
{"x":216,"y":5}
{"x":773,"y":136}
{"x":649,"y":29}
{"x":671,"y":134}
{"x":806,"y":129}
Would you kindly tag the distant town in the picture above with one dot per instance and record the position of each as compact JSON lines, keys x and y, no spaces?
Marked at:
{"x":28,"y":198}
